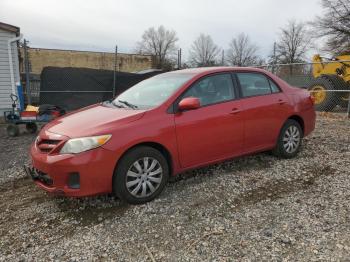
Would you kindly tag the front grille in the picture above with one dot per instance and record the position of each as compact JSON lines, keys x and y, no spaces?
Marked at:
{"x":43,"y":177}
{"x":47,"y":145}
{"x":49,"y":141}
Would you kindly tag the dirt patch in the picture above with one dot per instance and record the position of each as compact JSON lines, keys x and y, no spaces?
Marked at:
{"x":279,"y":188}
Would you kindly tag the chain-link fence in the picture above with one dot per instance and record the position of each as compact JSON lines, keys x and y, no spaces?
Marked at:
{"x":328,"y":83}
{"x":34,"y":89}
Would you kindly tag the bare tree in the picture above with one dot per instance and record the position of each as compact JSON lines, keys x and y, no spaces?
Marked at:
{"x":242,"y":52}
{"x":159,"y":42}
{"x":204,"y":52}
{"x":334,"y":25}
{"x":294,"y":42}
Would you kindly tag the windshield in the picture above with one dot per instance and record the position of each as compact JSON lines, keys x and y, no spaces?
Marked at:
{"x":151,"y":92}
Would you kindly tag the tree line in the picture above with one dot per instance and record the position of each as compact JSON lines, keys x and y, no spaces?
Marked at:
{"x":294,"y":41}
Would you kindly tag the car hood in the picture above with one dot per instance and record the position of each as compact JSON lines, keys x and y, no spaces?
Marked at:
{"x":92,"y":120}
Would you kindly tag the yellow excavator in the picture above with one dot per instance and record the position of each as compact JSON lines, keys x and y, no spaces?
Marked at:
{"x":330,"y":77}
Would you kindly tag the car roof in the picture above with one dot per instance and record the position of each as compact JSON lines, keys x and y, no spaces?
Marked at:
{"x":203,"y":71}
{"x":209,"y":70}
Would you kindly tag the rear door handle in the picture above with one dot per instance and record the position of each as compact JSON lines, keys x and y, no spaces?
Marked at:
{"x":235,"y":111}
{"x":281,"y":101}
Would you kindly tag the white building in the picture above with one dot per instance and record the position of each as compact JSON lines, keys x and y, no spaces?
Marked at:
{"x":9,"y":66}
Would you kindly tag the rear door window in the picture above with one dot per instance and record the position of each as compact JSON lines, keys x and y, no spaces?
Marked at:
{"x":253,"y":84}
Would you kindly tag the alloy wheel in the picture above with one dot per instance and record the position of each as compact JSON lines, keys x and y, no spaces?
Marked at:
{"x":291,"y":139}
{"x":144,"y":177}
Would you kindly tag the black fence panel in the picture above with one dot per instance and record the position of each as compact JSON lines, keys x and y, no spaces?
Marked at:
{"x":73,"y":88}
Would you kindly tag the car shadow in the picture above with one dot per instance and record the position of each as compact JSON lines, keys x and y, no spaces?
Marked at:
{"x":244,"y":163}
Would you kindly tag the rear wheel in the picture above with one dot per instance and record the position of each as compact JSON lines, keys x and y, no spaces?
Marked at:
{"x":31,"y":127}
{"x":344,"y":100}
{"x":141,"y":175}
{"x":321,"y":89}
{"x":289,"y":140}
{"x":12,"y":130}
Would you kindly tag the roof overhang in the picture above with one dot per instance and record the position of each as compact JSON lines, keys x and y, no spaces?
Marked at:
{"x":10,"y":28}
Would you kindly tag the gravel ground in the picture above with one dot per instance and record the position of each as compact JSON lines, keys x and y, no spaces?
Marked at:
{"x":252,"y":208}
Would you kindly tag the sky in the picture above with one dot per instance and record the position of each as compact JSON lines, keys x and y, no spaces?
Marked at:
{"x":101,"y":24}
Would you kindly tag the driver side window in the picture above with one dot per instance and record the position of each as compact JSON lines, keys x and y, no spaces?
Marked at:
{"x":212,"y":89}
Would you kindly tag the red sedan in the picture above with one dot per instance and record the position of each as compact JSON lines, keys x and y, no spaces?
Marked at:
{"x":168,"y":124}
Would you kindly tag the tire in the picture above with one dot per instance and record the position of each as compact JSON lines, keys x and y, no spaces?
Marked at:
{"x":12,"y":130}
{"x":292,"y":131}
{"x":31,"y":127}
{"x":344,"y":102}
{"x":324,"y":101}
{"x":340,"y":84}
{"x":130,"y":181}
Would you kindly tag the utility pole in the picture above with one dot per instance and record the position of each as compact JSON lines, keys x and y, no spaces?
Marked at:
{"x":349,"y":108}
{"x":115,"y":70}
{"x":26,"y":68}
{"x":180,"y":54}
{"x":223,"y":57}
{"x":179,"y":59}
{"x":274,"y":58}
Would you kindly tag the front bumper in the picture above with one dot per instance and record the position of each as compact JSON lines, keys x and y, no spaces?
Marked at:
{"x":53,"y":172}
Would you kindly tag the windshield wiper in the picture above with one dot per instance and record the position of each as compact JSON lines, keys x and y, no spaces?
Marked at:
{"x":128,"y":104}
{"x":114,"y":104}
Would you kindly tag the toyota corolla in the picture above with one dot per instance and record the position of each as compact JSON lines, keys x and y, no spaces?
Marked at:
{"x":166,"y":125}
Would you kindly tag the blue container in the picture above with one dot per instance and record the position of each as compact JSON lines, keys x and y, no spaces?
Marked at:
{"x":20,"y":97}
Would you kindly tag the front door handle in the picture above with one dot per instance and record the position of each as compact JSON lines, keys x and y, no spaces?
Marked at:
{"x":281,"y":101}
{"x":235,"y":111}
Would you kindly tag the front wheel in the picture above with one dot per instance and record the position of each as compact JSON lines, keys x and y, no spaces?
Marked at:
{"x":141,"y":175}
{"x":289,"y":140}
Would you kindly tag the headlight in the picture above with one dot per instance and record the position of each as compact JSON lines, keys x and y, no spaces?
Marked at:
{"x":77,"y":145}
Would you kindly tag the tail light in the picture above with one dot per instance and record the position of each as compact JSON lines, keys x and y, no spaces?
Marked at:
{"x":312,"y":99}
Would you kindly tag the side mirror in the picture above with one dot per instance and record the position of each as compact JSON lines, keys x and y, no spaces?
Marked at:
{"x":189,"y":103}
